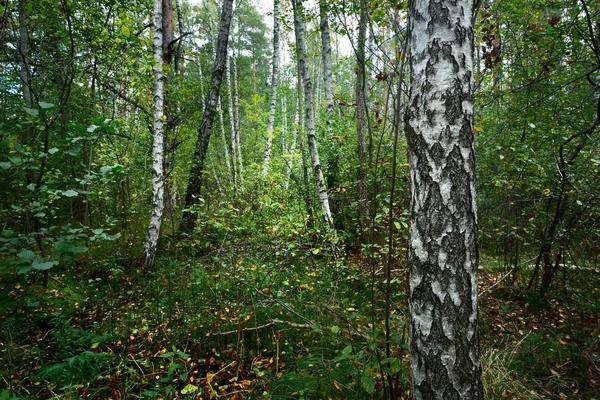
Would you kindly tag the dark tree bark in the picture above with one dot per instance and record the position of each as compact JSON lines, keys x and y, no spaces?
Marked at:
{"x":443,"y":253}
{"x":199,"y":160}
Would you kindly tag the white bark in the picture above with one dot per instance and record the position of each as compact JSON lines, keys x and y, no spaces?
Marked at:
{"x":157,"y":139}
{"x":326,"y":57}
{"x":274,"y":77}
{"x":443,"y":255}
{"x":236,"y":113}
{"x":224,"y":136}
{"x":310,"y":122}
{"x":231,"y":116}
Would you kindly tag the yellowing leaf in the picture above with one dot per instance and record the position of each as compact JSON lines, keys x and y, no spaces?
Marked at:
{"x":563,"y":341}
{"x":189,"y":389}
{"x":478,"y":128}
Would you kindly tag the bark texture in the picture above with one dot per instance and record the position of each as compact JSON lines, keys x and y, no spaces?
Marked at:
{"x":443,"y":254}
{"x":310,"y":123}
{"x":274,"y":77}
{"x":326,"y":56}
{"x":361,"y":118}
{"x":158,"y":183}
{"x":199,"y":159}
{"x":309,"y":118}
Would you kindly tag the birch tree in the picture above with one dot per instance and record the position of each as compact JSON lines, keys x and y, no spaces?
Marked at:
{"x":310,"y":122}
{"x":158,"y":183}
{"x":199,"y":158}
{"x":443,"y":252}
{"x":326,"y":56}
{"x":274,"y":77}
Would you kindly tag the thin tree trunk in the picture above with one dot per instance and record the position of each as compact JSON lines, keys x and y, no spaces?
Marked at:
{"x":443,"y":252}
{"x":167,"y":31}
{"x":274,"y":77}
{"x":225,"y":145}
{"x":157,"y":139}
{"x":199,"y":159}
{"x":361,"y":118}
{"x":310,"y":124}
{"x":326,"y":57}
{"x":230,"y":105}
{"x":236,"y":114}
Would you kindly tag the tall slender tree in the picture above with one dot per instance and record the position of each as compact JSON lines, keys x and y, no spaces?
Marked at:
{"x":361,"y":116}
{"x":326,"y":56}
{"x":158,"y":183}
{"x":274,"y":77}
{"x":310,"y":122}
{"x":443,"y":252}
{"x":199,"y":158}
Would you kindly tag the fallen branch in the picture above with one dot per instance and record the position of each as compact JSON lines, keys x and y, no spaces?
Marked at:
{"x":267,"y":325}
{"x":281,"y":303}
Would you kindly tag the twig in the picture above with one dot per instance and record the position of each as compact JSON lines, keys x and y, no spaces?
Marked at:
{"x":55,"y":279}
{"x":269,"y":324}
{"x":281,"y":303}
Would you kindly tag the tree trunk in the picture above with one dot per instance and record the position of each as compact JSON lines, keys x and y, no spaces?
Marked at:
{"x":167,"y":31}
{"x":443,"y":252}
{"x":199,"y":159}
{"x":310,"y":124}
{"x":230,"y":106}
{"x":274,"y":77}
{"x":157,"y":139}
{"x":236,"y":114}
{"x":361,"y":119}
{"x":326,"y":57}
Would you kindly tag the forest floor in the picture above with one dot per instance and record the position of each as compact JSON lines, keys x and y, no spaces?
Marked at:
{"x":235,"y":324}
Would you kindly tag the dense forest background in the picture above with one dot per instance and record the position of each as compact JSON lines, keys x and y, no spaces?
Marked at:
{"x":266,"y":296}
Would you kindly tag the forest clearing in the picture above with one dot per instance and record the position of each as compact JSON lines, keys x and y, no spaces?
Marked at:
{"x":301,"y":200}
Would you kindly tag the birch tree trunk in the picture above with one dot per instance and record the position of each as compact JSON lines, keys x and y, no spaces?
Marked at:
{"x":274,"y":77}
{"x":361,"y":118}
{"x":443,"y":253}
{"x":199,"y":159}
{"x":310,"y":124}
{"x":326,"y":56}
{"x":157,"y":139}
{"x":236,"y":114}
{"x":232,"y":135}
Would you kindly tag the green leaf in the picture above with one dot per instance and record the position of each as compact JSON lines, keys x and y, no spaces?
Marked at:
{"x":125,"y":31}
{"x":23,"y":269}
{"x":69,"y":193}
{"x":395,"y":365}
{"x":368,"y":382}
{"x":347,"y":350}
{"x":31,"y":111}
{"x":53,"y":150}
{"x":40,"y":215}
{"x":100,"y":120}
{"x":335,"y":329}
{"x":43,"y":105}
{"x":397,"y":225}
{"x":74,"y":151}
{"x":78,"y":249}
{"x":113,"y":237}
{"x":97,"y":231}
{"x":7,"y":233}
{"x":26,"y":254}
{"x":5,"y":165}
{"x":43,"y":266}
{"x":106,"y":168}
